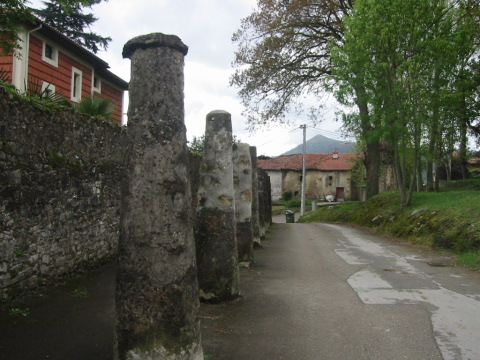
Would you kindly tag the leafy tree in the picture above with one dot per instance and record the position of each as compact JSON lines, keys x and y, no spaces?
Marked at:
{"x":68,"y":17}
{"x":284,"y":53}
{"x":405,"y":55}
{"x":197,"y":145}
{"x":12,"y":14}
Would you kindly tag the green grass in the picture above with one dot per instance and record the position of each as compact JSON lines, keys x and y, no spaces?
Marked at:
{"x":279,"y":206}
{"x":449,"y":219}
{"x":470,"y":259}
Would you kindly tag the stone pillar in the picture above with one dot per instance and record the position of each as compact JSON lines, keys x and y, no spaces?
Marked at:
{"x":314,"y":205}
{"x":215,"y":237}
{"x":242,"y":182}
{"x":269,"y":201}
{"x":261,"y":202}
{"x":255,"y":205}
{"x":157,"y":292}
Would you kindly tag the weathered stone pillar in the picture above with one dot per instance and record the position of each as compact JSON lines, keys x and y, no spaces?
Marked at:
{"x":261,"y":203}
{"x":255,"y":218}
{"x":215,"y":237}
{"x":242,"y":181}
{"x":314,"y":205}
{"x":267,"y":192}
{"x":269,"y":200}
{"x":157,"y":292}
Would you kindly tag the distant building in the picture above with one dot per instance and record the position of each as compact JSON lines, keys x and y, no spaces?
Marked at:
{"x":50,"y":61}
{"x":327,"y":174}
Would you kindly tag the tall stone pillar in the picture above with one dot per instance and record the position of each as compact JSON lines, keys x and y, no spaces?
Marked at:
{"x":157,"y":292}
{"x":215,"y":237}
{"x":261,"y":201}
{"x":255,"y":205}
{"x":242,"y":181}
{"x":269,"y":200}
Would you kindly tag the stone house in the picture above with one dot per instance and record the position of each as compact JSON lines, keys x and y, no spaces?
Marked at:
{"x":327,"y":174}
{"x":49,"y":61}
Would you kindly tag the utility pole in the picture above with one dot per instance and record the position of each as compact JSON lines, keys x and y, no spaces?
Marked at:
{"x":304,"y":169}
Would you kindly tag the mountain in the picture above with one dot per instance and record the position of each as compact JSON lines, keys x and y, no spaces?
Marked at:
{"x":320,"y":144}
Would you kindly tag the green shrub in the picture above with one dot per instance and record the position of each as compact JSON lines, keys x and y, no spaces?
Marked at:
{"x":293,"y":203}
{"x":287,"y":196}
{"x":97,"y":107}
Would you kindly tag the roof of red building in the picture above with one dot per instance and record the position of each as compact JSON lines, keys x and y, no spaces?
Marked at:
{"x":323,"y":162}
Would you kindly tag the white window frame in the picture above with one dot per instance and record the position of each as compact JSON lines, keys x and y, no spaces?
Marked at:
{"x":51,"y":87}
{"x":76,"y":84}
{"x":54,"y":61}
{"x":98,"y":88}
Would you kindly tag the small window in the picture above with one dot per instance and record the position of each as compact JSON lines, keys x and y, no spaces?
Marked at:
{"x":50,"y":54}
{"x":76,"y":91}
{"x":328,"y":181}
{"x":96,"y":84}
{"x":49,"y":51}
{"x":47,"y":89}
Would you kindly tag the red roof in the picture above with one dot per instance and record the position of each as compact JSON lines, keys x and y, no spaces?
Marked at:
{"x":324,"y":162}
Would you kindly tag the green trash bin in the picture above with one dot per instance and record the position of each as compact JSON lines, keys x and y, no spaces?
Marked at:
{"x":290,"y":216}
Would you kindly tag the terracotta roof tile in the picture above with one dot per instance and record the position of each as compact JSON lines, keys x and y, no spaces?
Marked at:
{"x":324,"y":162}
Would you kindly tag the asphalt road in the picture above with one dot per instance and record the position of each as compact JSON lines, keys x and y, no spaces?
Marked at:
{"x":332,"y":292}
{"x":315,"y":292}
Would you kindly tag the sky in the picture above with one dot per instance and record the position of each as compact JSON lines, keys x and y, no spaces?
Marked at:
{"x":206,"y":27}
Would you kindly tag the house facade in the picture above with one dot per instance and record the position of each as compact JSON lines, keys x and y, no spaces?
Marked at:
{"x":50,"y":62}
{"x":326,"y":174}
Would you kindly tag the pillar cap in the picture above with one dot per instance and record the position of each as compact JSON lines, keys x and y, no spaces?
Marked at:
{"x":152,"y":41}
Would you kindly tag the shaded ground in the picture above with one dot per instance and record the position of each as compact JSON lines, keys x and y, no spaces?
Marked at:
{"x":73,"y":321}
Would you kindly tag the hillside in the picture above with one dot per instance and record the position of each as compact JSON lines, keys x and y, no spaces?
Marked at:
{"x":320,"y":144}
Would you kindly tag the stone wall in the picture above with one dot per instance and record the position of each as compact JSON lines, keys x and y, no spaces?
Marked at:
{"x":59,"y":192}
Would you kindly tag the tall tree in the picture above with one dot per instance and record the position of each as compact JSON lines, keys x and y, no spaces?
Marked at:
{"x":70,"y":19}
{"x":12,"y":14}
{"x":404,"y":54}
{"x":284,"y":53}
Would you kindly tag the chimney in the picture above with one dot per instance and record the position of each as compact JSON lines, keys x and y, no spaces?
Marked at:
{"x":335,"y":154}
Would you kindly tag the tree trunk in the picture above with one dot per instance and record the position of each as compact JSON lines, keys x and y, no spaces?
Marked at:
{"x":419,"y":176}
{"x":372,"y":165}
{"x":372,"y":154}
{"x":463,"y":138}
{"x":434,"y":136}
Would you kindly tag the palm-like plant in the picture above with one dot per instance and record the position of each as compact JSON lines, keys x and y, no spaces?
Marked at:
{"x":96,"y":106}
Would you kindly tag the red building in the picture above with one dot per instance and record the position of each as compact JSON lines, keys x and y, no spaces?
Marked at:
{"x":50,"y":60}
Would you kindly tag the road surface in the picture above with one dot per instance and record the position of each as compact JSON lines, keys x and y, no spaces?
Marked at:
{"x":316,"y":292}
{"x":322,"y":291}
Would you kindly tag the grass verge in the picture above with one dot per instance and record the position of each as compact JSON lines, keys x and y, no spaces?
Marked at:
{"x":449,"y":219}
